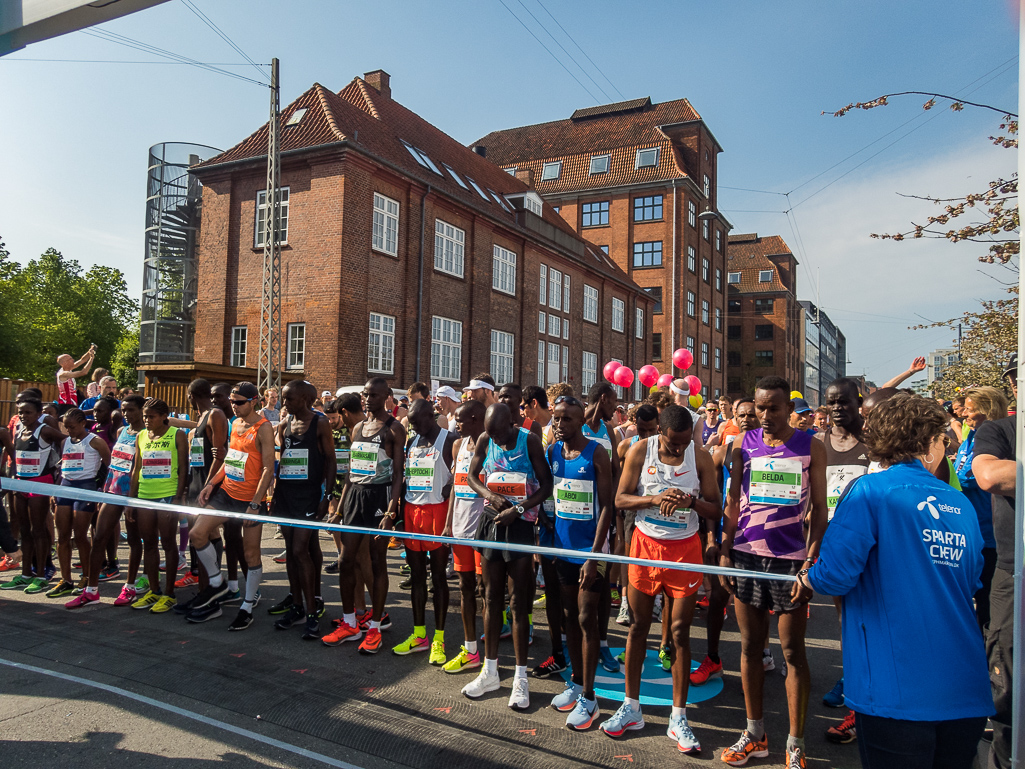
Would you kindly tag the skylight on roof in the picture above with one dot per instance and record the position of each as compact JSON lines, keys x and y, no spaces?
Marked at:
{"x":455,"y":176}
{"x":599,"y":164}
{"x":479,"y":190}
{"x":498,"y":199}
{"x":551,"y":170}
{"x":511,"y":170}
{"x":296,"y":117}
{"x":421,"y":157}
{"x":647,"y":158}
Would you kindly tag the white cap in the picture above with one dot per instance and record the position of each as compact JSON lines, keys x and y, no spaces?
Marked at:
{"x":478,"y":384}
{"x":448,"y":392}
{"x":325,"y":394}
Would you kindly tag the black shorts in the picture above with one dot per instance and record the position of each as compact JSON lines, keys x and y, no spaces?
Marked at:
{"x":298,"y":504}
{"x":765,"y":594}
{"x":366,"y":504}
{"x":519,"y":532}
{"x":569,"y":574}
{"x":221,"y":500}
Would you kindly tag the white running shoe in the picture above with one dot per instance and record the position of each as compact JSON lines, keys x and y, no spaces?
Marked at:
{"x":623,"y":618}
{"x":583,"y":715}
{"x":687,"y":743}
{"x":520,"y":697}
{"x":567,"y":699}
{"x":485,"y":682}
{"x":768,"y":663}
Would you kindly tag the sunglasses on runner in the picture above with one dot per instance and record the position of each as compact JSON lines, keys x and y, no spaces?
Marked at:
{"x":239,"y":403}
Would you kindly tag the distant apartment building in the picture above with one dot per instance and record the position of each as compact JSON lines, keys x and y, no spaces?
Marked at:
{"x":639,"y":180}
{"x":936,"y":363}
{"x":825,"y":353}
{"x":765,"y":329}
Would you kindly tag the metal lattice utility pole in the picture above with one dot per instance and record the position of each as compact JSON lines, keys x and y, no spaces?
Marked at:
{"x":269,"y":373}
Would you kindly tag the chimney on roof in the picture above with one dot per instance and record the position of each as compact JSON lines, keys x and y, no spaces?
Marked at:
{"x":380,"y":80}
{"x":526,"y":176}
{"x":480,"y":149}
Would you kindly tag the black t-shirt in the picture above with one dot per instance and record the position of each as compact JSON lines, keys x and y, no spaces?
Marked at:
{"x":997,"y":438}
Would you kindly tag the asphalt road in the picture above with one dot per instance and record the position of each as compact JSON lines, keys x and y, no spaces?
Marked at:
{"x":112,"y":687}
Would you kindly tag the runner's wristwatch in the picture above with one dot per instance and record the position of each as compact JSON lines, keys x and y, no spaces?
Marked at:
{"x":519,"y":510}
{"x":254,"y":505}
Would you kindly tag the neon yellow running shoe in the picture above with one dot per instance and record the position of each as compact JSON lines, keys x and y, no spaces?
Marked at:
{"x":665,"y":657}
{"x":147,"y":601}
{"x":437,"y":653}
{"x":462,"y":661}
{"x":163,"y":603}
{"x":412,"y":644}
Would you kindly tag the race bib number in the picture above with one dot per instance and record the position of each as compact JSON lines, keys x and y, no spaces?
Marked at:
{"x":156,"y":464}
{"x":73,"y":462}
{"x":29,"y":463}
{"x":838,"y":479}
{"x":461,"y":483}
{"x":295,"y":464}
{"x":235,"y":465}
{"x":874,"y":467}
{"x":512,"y":486}
{"x":342,"y":461}
{"x":121,"y":459}
{"x":196,"y":453}
{"x":420,"y":474}
{"x":363,"y":459}
{"x":574,"y":499}
{"x":775,"y":481}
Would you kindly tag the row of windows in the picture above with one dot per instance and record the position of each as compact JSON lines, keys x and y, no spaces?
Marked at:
{"x":656,"y":351}
{"x":762,"y":306}
{"x":295,"y":349}
{"x":644,"y":158}
{"x":763,"y":332}
{"x":764,"y":276}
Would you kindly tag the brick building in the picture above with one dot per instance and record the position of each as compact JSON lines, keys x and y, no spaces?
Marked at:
{"x":765,"y":322}
{"x":639,"y":179}
{"x":404,"y":254}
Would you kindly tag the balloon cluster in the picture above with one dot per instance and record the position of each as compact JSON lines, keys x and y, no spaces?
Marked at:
{"x":623,"y":376}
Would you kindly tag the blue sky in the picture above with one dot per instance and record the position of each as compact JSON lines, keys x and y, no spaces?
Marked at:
{"x":76,"y":135}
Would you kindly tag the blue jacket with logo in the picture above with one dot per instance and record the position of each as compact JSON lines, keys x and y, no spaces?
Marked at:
{"x":904,"y":550}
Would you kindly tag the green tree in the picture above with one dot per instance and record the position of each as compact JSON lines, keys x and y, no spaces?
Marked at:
{"x":125,"y":361}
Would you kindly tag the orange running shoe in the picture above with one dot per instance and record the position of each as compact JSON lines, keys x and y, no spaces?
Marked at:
{"x":341,"y":634}
{"x":372,"y":643}
{"x":744,"y":748}
{"x":708,"y":669}
{"x":188,"y":580}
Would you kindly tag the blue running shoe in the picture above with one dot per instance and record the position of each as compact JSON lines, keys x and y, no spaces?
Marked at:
{"x":626,"y":718}
{"x":608,"y":662}
{"x":834,"y":697}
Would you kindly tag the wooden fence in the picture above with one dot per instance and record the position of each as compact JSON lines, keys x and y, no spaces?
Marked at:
{"x":176,"y":395}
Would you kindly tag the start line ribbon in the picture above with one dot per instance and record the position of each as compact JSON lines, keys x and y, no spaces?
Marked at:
{"x":101,"y":497}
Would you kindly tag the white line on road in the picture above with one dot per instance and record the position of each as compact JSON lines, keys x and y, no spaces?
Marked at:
{"x":186,"y":714}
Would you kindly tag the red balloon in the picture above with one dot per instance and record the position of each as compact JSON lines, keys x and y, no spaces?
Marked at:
{"x":648,"y":375}
{"x":610,"y":370}
{"x":665,"y":380}
{"x":694,"y":383}
{"x":624,"y":376}
{"x":683,"y":358}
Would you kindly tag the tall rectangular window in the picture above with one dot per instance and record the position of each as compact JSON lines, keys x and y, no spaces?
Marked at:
{"x":690,"y":303}
{"x":565,"y":329}
{"x":590,"y":303}
{"x":692,"y":214}
{"x":381,"y":347}
{"x":595,"y":214}
{"x":718,"y":318}
{"x":704,"y":229}
{"x":554,"y":325}
{"x":589,"y":372}
{"x":648,"y":208}
{"x":502,"y":344}
{"x":553,"y":363}
{"x":541,"y":364}
{"x":656,"y":347}
{"x":565,"y":292}
{"x":718,"y":359}
{"x":554,"y":289}
{"x":542,"y":322}
{"x":648,"y":254}
{"x":543,"y":295}
{"x":448,"y":248}
{"x":707,"y":186}
{"x":705,"y":312}
{"x":618,"y":311}
{"x":706,"y":270}
{"x":446,"y":349}
{"x":261,"y":217}
{"x":386,"y":225}
{"x":620,"y":392}
{"x":718,"y":240}
{"x":655,"y":292}
{"x":690,"y":345}
{"x":692,"y":259}
{"x":296,"y":354}
{"x":503,"y":275}
{"x":239,"y":342}
{"x":565,"y":363}
{"x":638,"y":323}
{"x":718,"y":279}
{"x":704,"y":354}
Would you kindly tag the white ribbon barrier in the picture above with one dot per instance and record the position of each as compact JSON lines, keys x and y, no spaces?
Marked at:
{"x":100,"y":497}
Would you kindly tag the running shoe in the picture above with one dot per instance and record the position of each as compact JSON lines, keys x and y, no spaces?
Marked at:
{"x":9,"y":564}
{"x":795,"y":758}
{"x":368,"y":615}
{"x":484,"y":682}
{"x":81,"y":585}
{"x":341,"y":634}
{"x":608,"y":662}
{"x":621,"y":657}
{"x":623,"y":618}
{"x":385,"y":621}
{"x":437,"y":657}
{"x":204,"y":613}
{"x":519,"y":699}
{"x":210,"y":596}
{"x":530,"y":634}
{"x":617,"y":598}
{"x":281,"y":557}
{"x":128,"y":594}
{"x":566,"y":700}
{"x":550,"y":667}
{"x":319,"y":608}
{"x":405,"y":569}
{"x":20,"y":582}
{"x":164,"y":604}
{"x":702,"y":602}
{"x":406,"y":584}
{"x":395,"y":544}
{"x":49,"y":571}
{"x":412,"y":644}
{"x":783,"y":665}
{"x":82,"y":600}
{"x":686,"y":742}
{"x":744,"y":748}
{"x":706,"y":670}
{"x":38,"y":585}
{"x":331,"y":568}
{"x":768,"y":663}
{"x":665,"y":657}
{"x":188,"y":580}
{"x":506,"y":631}
{"x":311,"y":632}
{"x":371,"y":642}
{"x":583,"y":714}
{"x":625,"y":719}
{"x":282,"y":606}
{"x":242,"y":620}
{"x":834,"y":697}
{"x":844,"y":732}
{"x":363,"y":618}
{"x":61,"y":589}
{"x":110,"y":572}
{"x":142,"y":584}
{"x":186,"y":607}
{"x":462,"y":661}
{"x":541,"y":602}
{"x":147,"y":601}
{"x":294,"y":616}
{"x":232,"y":596}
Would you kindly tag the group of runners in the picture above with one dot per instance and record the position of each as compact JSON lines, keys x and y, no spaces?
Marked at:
{"x":747,"y":484}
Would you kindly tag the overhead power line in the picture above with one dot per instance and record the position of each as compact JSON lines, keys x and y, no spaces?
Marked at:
{"x":206,"y":20}
{"x":566,"y":32}
{"x":6,"y":59}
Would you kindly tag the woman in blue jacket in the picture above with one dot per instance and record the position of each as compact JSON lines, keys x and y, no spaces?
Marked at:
{"x":905,"y":551}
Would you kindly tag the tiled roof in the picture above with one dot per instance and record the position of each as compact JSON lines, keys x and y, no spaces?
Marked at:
{"x":748,"y":254}
{"x":370,"y":121}
{"x":615,"y":129}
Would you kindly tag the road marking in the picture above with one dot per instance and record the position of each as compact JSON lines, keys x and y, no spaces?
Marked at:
{"x":186,"y":714}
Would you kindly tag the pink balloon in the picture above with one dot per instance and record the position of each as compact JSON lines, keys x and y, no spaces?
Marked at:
{"x":683,"y":358}
{"x":665,"y":380}
{"x":648,"y":375}
{"x":624,"y":376}
{"x":610,"y":370}
{"x":694,"y":383}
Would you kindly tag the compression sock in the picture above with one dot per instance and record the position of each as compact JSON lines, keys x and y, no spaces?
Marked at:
{"x":208,"y":558}
{"x":252,"y":588}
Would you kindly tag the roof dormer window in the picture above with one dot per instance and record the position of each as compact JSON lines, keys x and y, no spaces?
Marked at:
{"x":551,"y":170}
{"x":599,"y":164}
{"x":646,"y":158}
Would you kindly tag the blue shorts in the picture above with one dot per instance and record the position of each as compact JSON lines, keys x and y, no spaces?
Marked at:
{"x":79,"y":506}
